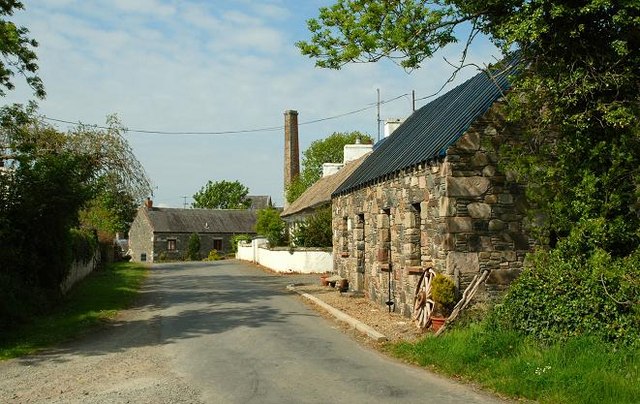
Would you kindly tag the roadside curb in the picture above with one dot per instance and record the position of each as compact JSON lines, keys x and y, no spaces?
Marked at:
{"x":341,"y":316}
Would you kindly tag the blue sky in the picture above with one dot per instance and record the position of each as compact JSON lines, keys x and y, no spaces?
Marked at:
{"x":209,"y":66}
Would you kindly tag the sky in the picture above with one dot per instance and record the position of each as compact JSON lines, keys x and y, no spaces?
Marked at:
{"x":212,"y":66}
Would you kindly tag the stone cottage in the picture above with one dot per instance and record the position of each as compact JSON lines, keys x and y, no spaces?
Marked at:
{"x":157,"y":234}
{"x":432,"y":195}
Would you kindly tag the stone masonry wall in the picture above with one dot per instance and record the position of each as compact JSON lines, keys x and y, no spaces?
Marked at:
{"x":141,"y":238}
{"x":459,"y":215}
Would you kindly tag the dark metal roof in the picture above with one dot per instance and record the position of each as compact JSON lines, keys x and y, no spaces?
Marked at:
{"x":174,"y":220}
{"x":430,"y":130}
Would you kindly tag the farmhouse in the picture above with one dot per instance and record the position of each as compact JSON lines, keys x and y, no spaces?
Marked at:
{"x":163,"y":233}
{"x":432,"y":195}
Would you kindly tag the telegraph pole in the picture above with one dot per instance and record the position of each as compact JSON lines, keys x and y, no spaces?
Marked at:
{"x":378,"y":104}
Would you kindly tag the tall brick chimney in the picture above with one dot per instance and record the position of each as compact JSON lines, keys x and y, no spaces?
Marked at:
{"x":291,"y":149}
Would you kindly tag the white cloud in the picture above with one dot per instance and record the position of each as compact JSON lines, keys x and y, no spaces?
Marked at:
{"x":201,"y":66}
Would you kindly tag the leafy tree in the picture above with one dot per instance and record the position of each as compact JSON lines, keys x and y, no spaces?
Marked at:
{"x":18,"y":55}
{"x":222,"y":195}
{"x":327,"y":150}
{"x":110,"y":212}
{"x":270,"y":225}
{"x":47,"y":177}
{"x":572,"y":117}
{"x":193,"y":249}
{"x":316,"y":230}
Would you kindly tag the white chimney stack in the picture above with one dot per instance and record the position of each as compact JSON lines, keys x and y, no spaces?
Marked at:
{"x":390,"y":125}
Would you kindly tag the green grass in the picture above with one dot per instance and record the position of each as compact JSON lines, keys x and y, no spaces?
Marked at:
{"x":582,"y":370}
{"x":93,"y":301}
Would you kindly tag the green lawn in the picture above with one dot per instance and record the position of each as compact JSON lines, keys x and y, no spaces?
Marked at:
{"x":582,"y":370}
{"x":96,"y":299}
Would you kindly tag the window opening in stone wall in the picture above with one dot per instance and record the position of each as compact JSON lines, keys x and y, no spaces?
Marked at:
{"x":360,"y":243}
{"x":345,"y":237}
{"x":414,"y":236}
{"x":171,"y":244}
{"x":217,"y":244}
{"x":384,"y":237}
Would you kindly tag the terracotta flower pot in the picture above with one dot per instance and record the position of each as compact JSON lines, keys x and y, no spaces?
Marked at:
{"x":437,"y":322}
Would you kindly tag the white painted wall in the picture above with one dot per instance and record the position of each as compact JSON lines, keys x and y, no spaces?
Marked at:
{"x":281,"y":260}
{"x":79,"y":270}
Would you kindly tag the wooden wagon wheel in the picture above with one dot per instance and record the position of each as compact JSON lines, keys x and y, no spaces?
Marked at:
{"x":422,"y":302}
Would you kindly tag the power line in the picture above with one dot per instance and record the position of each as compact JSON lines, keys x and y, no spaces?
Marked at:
{"x":229,"y":132}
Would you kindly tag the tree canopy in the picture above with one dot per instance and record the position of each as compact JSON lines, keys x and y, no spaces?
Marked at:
{"x":222,"y":195}
{"x":47,"y":178}
{"x":17,"y":49}
{"x":327,"y":150}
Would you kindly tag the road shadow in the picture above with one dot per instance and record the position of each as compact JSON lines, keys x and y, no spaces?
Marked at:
{"x":188,"y":300}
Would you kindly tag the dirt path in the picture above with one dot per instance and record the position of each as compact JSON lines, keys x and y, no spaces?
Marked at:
{"x":122,"y":362}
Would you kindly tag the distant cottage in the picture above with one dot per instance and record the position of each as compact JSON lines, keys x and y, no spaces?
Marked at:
{"x":163,"y":233}
{"x":432,"y":195}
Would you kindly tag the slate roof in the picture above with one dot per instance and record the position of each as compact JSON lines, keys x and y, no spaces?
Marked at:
{"x":259,"y":201}
{"x":320,"y":192}
{"x":430,"y":130}
{"x":174,"y":220}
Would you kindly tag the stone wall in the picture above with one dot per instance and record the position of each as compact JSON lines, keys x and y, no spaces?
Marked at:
{"x":458,"y":214}
{"x":141,"y":238}
{"x":207,"y":243}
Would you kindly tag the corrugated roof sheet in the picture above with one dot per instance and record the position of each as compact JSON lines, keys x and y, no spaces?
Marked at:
{"x":174,"y":220}
{"x":320,"y":192}
{"x":428,"y":132}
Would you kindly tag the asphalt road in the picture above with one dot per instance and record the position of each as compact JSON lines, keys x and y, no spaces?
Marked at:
{"x":222,"y":332}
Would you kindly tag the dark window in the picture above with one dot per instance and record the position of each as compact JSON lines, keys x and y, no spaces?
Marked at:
{"x":415,"y":236}
{"x":345,"y":235}
{"x":217,"y":244}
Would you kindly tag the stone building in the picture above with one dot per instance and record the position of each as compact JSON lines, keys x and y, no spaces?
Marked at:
{"x":432,"y":195}
{"x":158,"y":234}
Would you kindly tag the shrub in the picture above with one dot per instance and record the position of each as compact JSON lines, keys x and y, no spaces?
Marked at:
{"x":193,"y":249}
{"x":237,"y":238}
{"x":270,"y":225}
{"x":560,"y":296}
{"x":316,"y":231}
{"x":83,"y":244}
{"x":443,"y":292}
{"x":213,"y":256}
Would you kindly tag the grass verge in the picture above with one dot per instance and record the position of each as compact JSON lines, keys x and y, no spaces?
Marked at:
{"x":96,"y":299}
{"x":582,"y":370}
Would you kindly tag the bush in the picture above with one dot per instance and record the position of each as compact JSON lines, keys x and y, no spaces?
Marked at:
{"x":316,"y":231}
{"x":562,"y":295}
{"x":193,"y":249}
{"x":83,"y":244}
{"x":270,"y":225}
{"x":213,"y":256}
{"x":237,"y":238}
{"x":443,"y":292}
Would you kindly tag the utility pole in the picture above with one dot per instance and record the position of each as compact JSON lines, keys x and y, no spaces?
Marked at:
{"x":378,"y":104}
{"x":184,"y":205}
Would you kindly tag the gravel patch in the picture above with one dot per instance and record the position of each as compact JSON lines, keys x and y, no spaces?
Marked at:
{"x":394,"y":326}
